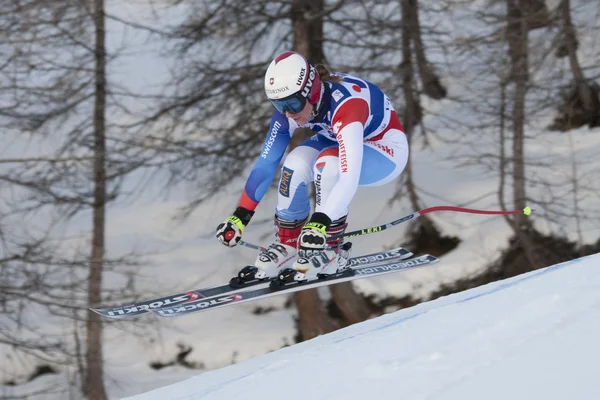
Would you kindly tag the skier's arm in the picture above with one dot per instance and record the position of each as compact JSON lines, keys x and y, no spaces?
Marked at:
{"x":230,"y":231}
{"x":348,"y":123}
{"x":266,"y":165}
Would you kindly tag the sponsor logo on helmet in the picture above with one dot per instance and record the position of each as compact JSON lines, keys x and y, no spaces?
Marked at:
{"x":272,"y":80}
{"x":278,"y":90}
{"x":309,"y":83}
{"x":301,"y":77}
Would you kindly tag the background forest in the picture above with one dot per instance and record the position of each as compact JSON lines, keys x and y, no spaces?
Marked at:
{"x":128,"y":129}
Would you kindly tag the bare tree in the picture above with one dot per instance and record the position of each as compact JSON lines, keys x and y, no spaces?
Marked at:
{"x":55,"y":91}
{"x":307,"y":23}
{"x":512,"y":80}
{"x":95,"y":372}
{"x":582,"y":103}
{"x":307,"y":28}
{"x":432,"y":86}
{"x":536,"y":12}
{"x":210,"y":122}
{"x":424,"y":236}
{"x":518,"y":43}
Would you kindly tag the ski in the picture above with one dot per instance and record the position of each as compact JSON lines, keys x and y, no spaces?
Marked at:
{"x":143,"y":307}
{"x":363,"y":271}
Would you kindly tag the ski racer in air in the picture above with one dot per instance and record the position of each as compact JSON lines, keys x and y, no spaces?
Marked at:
{"x":358,"y":141}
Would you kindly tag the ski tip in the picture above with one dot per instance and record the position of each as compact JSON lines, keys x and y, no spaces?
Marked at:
{"x":527,"y":211}
{"x":99,"y":311}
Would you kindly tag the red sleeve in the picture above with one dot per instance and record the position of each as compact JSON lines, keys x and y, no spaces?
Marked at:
{"x":247,"y":202}
{"x":353,"y":110}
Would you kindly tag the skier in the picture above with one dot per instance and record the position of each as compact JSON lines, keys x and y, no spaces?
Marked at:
{"x":358,"y":141}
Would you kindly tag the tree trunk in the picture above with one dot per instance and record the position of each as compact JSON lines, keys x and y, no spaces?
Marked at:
{"x":308,"y":41}
{"x":307,"y":27}
{"x":312,"y":318}
{"x":432,"y":86}
{"x":408,"y":118}
{"x":584,"y":91}
{"x":518,"y":39}
{"x":518,"y":48}
{"x":308,"y":36}
{"x":536,"y":12}
{"x":95,"y":373}
{"x":352,"y":306}
{"x":424,"y":227}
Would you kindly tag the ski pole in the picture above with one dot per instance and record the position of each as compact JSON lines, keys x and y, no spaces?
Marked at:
{"x":252,"y":246}
{"x":416,"y":214}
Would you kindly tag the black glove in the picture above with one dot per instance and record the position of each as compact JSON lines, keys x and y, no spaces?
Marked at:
{"x":229,"y":232}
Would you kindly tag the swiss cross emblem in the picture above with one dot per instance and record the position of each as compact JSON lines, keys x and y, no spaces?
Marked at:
{"x":272,"y":81}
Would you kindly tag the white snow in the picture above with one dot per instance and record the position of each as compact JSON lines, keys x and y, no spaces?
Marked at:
{"x":534,"y":336}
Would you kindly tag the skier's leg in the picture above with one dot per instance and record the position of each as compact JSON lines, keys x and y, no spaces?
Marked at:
{"x":282,"y":251}
{"x":311,"y":263}
{"x":385,"y":156}
{"x":293,"y":206}
{"x":383,"y":160}
{"x":296,"y":174}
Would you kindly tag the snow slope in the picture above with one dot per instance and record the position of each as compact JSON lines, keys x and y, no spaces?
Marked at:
{"x":534,"y":336}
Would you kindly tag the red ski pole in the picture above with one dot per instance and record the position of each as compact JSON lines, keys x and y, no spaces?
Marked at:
{"x":409,"y":217}
{"x":416,"y":214}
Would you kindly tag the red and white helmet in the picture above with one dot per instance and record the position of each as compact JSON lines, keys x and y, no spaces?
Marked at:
{"x":291,"y":80}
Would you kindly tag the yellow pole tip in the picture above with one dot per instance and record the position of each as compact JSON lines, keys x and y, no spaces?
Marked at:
{"x":527,"y":210}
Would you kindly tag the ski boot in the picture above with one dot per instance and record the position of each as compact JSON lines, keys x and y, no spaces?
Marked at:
{"x":319,"y":264}
{"x":282,"y":253}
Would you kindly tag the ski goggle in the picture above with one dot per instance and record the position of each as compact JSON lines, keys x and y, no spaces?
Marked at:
{"x":292,"y":104}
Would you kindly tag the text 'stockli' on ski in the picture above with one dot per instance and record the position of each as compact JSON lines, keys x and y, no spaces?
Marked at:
{"x":360,"y":272}
{"x":143,"y":307}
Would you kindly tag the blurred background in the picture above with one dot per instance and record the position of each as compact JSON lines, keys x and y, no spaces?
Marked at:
{"x":128,"y":129}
